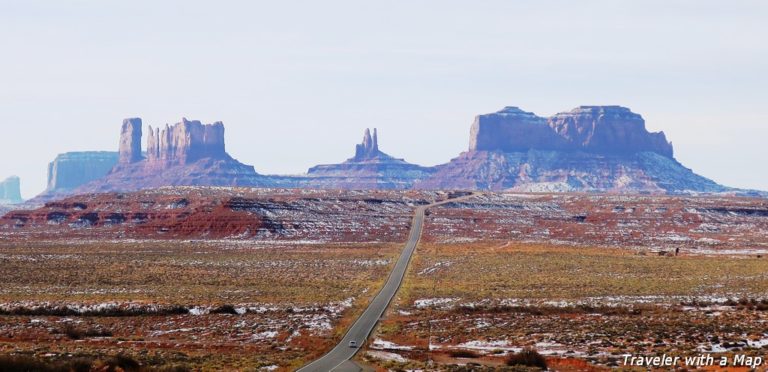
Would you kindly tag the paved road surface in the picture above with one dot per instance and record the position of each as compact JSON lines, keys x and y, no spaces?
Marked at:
{"x":337,"y":359}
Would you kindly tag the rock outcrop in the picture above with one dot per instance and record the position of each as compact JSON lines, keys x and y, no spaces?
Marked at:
{"x":568,"y":171}
{"x":512,"y":129}
{"x":188,"y":153}
{"x":590,"y":148}
{"x":10,"y":191}
{"x":130,"y":141}
{"x":369,"y":149}
{"x":370,"y":168}
{"x":71,"y":170}
{"x":322,"y":216}
{"x":186,"y":142}
{"x":608,"y":130}
{"x":598,"y":129}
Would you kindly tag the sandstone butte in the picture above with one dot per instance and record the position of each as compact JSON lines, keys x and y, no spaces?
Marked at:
{"x":587,"y":149}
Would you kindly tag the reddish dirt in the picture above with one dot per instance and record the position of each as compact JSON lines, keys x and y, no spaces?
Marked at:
{"x":218,"y":213}
{"x":708,"y":224}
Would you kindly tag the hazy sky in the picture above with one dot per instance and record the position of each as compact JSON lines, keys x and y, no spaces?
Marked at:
{"x":296,"y":82}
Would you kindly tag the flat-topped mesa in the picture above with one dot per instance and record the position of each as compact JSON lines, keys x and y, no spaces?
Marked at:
{"x":610,"y":130}
{"x":186,"y":142}
{"x":10,"y":190}
{"x":71,"y":170}
{"x":130,"y":141}
{"x":512,"y":129}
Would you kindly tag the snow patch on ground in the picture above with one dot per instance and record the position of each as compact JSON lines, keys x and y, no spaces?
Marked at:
{"x":379,"y":344}
{"x":387,"y":356}
{"x":437,"y":302}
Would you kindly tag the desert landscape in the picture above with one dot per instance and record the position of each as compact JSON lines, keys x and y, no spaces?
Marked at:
{"x":581,"y":279}
{"x":346,"y":186}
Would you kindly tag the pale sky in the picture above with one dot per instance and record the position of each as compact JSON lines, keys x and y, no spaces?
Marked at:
{"x":296,"y":82}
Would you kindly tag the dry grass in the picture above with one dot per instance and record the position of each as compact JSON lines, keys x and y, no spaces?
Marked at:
{"x":295,"y":299}
{"x":570,"y":303}
{"x":502,"y":271}
{"x":190,"y":272}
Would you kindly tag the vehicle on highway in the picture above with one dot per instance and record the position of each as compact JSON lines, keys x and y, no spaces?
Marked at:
{"x":353,"y":344}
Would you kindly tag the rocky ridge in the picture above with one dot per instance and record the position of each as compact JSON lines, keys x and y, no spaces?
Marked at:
{"x":185,"y":212}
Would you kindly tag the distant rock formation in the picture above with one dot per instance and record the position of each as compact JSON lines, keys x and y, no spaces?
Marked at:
{"x":598,"y":129}
{"x":188,"y":153}
{"x":370,"y":168}
{"x":369,"y":149}
{"x":590,"y":148}
{"x":10,"y":191}
{"x":130,"y":141}
{"x":186,"y":142}
{"x":512,"y":129}
{"x":608,"y":130}
{"x":71,"y":170}
{"x":568,"y":171}
{"x":587,"y":149}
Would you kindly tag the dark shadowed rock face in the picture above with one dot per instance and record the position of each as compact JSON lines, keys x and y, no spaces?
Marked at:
{"x":370,"y":168}
{"x":10,"y":191}
{"x":597,"y":129}
{"x":130,"y":141}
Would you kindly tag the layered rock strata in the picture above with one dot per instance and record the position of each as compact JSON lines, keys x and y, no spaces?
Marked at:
{"x":598,"y":129}
{"x":188,"y":153}
{"x":587,"y":149}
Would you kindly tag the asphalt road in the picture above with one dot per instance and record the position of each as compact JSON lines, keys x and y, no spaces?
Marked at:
{"x":337,"y":359}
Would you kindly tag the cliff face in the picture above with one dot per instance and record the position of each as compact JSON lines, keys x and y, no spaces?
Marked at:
{"x":186,"y":142}
{"x":130,"y":141}
{"x":10,"y":191}
{"x":608,"y":130}
{"x":512,"y":129}
{"x":590,"y":148}
{"x":188,"y":153}
{"x":598,"y":129}
{"x":74,"y":169}
{"x":370,"y":168}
